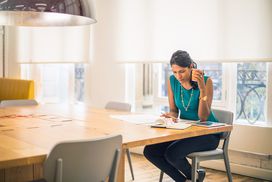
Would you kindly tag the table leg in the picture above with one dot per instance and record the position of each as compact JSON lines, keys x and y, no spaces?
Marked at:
{"x":121,"y":169}
{"x":2,"y":175}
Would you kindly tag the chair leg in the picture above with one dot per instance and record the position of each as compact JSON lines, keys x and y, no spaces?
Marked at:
{"x":130,"y":164}
{"x":194,"y":169}
{"x":227,"y":165}
{"x":161,"y":176}
{"x":59,"y":171}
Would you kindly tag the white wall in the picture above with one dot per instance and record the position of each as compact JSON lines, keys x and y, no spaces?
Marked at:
{"x":1,"y":52}
{"x":255,"y":139}
{"x":12,"y":68}
{"x":105,"y":80}
{"x":253,"y":151}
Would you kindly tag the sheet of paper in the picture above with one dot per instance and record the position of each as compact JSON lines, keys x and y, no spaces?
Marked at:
{"x":137,"y":118}
{"x":54,"y":118}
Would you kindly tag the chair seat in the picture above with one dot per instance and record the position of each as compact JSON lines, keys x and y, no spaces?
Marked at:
{"x":20,"y":102}
{"x":206,"y":153}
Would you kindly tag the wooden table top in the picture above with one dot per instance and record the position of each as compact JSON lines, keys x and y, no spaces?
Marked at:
{"x":27,"y":134}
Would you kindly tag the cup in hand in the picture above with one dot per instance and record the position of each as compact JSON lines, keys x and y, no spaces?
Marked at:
{"x":197,"y":74}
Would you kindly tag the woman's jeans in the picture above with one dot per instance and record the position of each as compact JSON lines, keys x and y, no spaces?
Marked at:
{"x":170,"y":157}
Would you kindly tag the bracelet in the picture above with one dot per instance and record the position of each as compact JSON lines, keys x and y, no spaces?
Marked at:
{"x":203,"y":98}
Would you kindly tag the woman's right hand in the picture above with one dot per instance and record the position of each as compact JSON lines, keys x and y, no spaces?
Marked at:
{"x":198,"y":76}
{"x":170,"y":115}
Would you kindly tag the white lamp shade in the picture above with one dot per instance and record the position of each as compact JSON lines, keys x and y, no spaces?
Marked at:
{"x":40,"y":19}
{"x":46,"y":13}
{"x":52,"y":44}
{"x":55,"y":31}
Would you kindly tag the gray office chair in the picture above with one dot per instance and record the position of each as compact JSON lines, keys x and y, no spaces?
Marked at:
{"x":23,"y":102}
{"x":94,"y":160}
{"x":219,"y":153}
{"x":122,"y":106}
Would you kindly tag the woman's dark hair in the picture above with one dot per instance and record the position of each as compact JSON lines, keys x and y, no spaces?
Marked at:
{"x":183,"y":59}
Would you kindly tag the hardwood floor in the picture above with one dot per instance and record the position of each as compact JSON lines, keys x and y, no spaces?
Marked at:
{"x":144,"y":171}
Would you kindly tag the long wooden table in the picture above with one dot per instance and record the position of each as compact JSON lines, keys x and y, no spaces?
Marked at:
{"x":27,"y":135}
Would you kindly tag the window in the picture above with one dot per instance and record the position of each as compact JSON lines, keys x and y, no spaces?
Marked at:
{"x":55,"y":83}
{"x":212,"y":70}
{"x":215,"y":72}
{"x":251,"y":91}
{"x":240,"y":87}
{"x":79,"y":82}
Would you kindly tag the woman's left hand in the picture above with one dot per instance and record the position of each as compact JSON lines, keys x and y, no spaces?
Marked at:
{"x":198,"y":76}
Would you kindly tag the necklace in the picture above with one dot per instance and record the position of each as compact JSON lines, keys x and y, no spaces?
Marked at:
{"x":182,"y":100}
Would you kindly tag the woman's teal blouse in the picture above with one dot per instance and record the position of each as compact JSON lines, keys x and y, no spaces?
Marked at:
{"x":192,"y":109}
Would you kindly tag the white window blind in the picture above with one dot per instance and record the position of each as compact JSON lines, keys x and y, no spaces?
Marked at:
{"x":210,"y":30}
{"x":52,"y":44}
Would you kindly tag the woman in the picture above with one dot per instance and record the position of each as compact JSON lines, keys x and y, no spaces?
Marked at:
{"x":190,"y":93}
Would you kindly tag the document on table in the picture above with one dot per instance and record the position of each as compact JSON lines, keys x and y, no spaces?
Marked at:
{"x":153,"y":121}
{"x":137,"y":118}
{"x":53,"y":118}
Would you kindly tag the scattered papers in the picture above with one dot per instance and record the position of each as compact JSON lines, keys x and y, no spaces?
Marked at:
{"x":54,"y":118}
{"x":154,"y":121}
{"x":137,"y":118}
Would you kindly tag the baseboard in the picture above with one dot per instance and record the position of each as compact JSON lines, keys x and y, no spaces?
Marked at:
{"x":240,"y":169}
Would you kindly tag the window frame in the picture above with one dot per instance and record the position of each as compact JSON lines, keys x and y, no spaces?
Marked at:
{"x":229,"y":91}
{"x":164,"y":100}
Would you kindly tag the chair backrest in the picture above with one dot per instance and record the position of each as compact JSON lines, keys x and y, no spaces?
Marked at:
{"x":11,"y":89}
{"x":94,"y":160}
{"x":120,"y":106}
{"x":24,"y":102}
{"x":224,"y":117}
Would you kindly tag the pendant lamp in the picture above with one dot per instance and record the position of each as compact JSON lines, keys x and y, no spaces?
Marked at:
{"x":68,"y":16}
{"x":45,"y":12}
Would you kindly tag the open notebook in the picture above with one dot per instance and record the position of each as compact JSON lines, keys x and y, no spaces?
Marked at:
{"x":168,"y":123}
{"x":177,"y":126}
